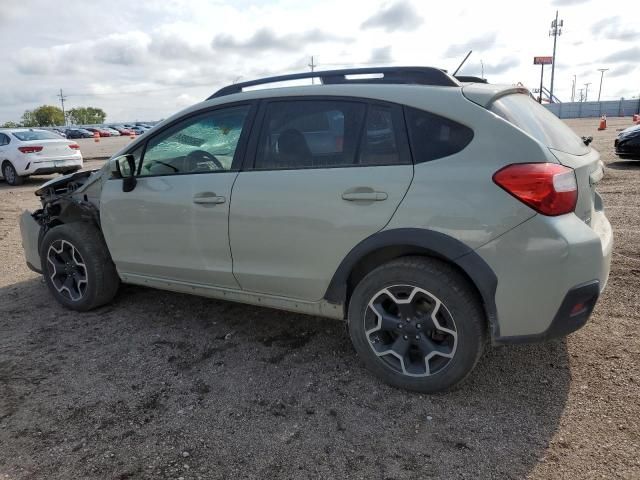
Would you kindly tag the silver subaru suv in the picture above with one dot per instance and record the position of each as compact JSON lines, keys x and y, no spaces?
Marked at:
{"x":434,"y":214}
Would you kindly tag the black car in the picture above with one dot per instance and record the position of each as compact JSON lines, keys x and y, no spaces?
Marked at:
{"x":627,"y":143}
{"x":78,"y":133}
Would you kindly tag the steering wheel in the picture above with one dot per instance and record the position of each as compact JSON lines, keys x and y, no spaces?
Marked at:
{"x":201,"y":156}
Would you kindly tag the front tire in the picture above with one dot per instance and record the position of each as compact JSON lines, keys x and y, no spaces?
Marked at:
{"x":417,"y":324}
{"x":77,"y":266}
{"x":10,"y":174}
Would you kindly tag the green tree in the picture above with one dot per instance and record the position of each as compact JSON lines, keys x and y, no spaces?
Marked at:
{"x":43,"y":116}
{"x":86,"y":115}
{"x":10,"y":125}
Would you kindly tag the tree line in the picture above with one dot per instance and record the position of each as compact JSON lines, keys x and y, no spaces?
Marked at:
{"x":50,"y":116}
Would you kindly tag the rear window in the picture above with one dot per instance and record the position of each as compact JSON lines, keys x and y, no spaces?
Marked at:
{"x":528,"y":115}
{"x":29,"y":135}
{"x":433,"y":136}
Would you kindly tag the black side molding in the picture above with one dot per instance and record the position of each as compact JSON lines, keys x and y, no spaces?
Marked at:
{"x":433,"y":243}
{"x":566,"y":321}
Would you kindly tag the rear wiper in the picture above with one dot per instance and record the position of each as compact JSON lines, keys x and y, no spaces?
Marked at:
{"x":587,"y":140}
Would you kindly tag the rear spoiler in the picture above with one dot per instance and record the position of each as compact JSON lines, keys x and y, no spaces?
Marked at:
{"x":485,"y":94}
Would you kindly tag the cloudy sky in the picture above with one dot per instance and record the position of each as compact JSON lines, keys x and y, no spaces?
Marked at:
{"x":145,"y":60}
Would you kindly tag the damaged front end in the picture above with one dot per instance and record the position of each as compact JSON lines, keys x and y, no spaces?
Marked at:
{"x":64,"y":199}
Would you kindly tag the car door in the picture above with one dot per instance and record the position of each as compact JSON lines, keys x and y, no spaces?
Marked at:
{"x":324,"y":174}
{"x":174,"y":223}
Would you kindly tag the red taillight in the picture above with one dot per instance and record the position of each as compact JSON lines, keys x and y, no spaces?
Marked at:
{"x":548,"y":188}
{"x":74,"y":146}
{"x":30,"y":149}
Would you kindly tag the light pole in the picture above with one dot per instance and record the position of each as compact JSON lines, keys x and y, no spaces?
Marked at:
{"x":556,"y":29}
{"x":586,"y":90}
{"x":573,"y":89}
{"x":601,"y":70}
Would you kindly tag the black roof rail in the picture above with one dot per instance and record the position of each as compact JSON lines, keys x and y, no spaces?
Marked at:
{"x":470,"y":79}
{"x":389,"y":75}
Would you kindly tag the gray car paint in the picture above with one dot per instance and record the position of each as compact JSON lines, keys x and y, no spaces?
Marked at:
{"x":157,"y":230}
{"x":289,"y":230}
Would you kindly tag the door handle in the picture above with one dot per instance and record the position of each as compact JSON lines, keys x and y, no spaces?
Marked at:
{"x":208,"y":198}
{"x":367,"y":196}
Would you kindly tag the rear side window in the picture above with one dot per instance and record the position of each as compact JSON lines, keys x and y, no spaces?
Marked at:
{"x":309,"y":134}
{"x":4,"y":139}
{"x":380,"y":142}
{"x":433,"y":136}
{"x":528,"y":115}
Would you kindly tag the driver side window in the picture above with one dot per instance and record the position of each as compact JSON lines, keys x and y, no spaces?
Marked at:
{"x":201,"y":144}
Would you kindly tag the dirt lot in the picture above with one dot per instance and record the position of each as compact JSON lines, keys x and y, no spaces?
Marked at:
{"x":161,"y":385}
{"x":104,"y":148}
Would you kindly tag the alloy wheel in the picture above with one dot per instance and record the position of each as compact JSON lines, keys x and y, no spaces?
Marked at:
{"x":410,"y":330}
{"x":68,"y":272}
{"x":9,"y":174}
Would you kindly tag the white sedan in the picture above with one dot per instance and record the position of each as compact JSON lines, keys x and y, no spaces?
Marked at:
{"x":26,"y":151}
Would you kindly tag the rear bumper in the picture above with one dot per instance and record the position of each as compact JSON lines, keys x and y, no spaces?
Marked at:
{"x":573,"y":314}
{"x":30,"y":233}
{"x":541,"y":266}
{"x":62,"y":165}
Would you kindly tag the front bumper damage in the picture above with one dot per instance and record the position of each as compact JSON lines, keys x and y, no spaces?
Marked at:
{"x":30,"y":231}
{"x":60,"y":204}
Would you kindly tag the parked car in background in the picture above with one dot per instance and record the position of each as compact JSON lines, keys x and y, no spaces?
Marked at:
{"x":112,"y":131}
{"x":25,"y":152}
{"x":100,"y":131}
{"x":388,"y":204}
{"x":627,"y":143}
{"x":78,"y":133}
{"x":122,"y":129}
{"x":138,"y":130}
{"x":60,"y":132}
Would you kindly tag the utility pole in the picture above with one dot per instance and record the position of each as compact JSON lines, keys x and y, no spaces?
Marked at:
{"x":62,"y":99}
{"x":582,"y":95}
{"x":556,"y":29}
{"x":601,"y":70}
{"x":541,"y":78}
{"x":312,"y":66}
{"x":482,"y":69}
{"x":586,"y":90}
{"x":573,"y":89}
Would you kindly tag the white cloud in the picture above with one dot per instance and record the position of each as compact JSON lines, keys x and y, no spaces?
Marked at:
{"x":146,"y":60}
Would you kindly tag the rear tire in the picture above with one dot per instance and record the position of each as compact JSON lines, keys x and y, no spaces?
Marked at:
{"x":10,"y":174}
{"x":77,"y":266}
{"x":417,"y":324}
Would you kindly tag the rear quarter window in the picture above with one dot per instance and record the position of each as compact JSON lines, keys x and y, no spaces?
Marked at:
{"x":433,"y":136}
{"x":531,"y":117}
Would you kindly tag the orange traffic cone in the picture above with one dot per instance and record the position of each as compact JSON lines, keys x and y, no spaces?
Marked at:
{"x":603,"y":123}
{"x":96,"y":137}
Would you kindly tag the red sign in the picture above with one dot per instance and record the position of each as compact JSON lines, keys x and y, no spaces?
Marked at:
{"x":542,"y":60}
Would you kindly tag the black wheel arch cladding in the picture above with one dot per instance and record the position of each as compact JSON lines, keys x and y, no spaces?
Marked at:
{"x":425,"y":242}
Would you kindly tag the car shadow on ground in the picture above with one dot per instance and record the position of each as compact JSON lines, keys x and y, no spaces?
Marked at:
{"x":625,"y":165}
{"x":163,"y":385}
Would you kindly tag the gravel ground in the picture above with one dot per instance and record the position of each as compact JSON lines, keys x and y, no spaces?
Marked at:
{"x":162,"y":385}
